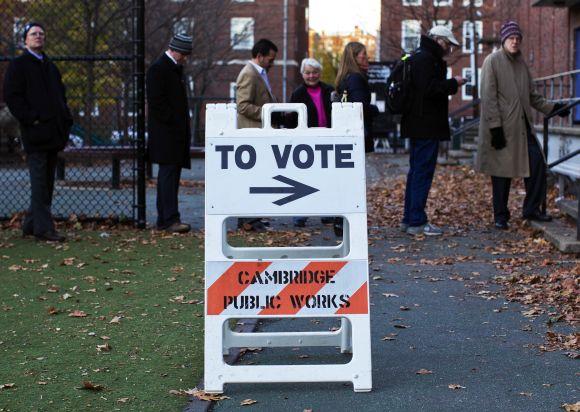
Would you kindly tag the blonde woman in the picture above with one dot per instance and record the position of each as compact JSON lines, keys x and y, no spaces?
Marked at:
{"x":352,"y":79}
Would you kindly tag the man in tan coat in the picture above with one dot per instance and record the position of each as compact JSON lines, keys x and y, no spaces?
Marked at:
{"x":507,"y":146}
{"x":253,"y":90}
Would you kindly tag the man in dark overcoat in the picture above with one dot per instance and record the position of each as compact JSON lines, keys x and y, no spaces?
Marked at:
{"x":169,"y":131}
{"x":35,"y":95}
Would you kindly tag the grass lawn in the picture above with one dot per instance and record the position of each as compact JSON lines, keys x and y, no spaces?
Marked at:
{"x":120,"y":309}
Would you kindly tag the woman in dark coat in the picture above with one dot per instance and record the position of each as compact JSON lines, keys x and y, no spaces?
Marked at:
{"x":316,"y":96}
{"x":352,"y":83}
{"x":352,"y":79}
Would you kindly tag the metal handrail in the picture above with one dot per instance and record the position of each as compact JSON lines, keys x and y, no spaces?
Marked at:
{"x":562,"y":159}
{"x":465,"y":107}
{"x":555,"y":76}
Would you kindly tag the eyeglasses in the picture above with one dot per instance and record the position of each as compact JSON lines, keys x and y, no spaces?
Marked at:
{"x":37,"y":34}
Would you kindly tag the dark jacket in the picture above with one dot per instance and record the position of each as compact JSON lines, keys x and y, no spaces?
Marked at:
{"x":357,"y":87}
{"x":428,"y":117}
{"x":35,"y":95}
{"x":169,"y":130}
{"x":301,"y":95}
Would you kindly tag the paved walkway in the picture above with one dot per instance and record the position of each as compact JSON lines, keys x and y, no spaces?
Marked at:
{"x":442,"y":315}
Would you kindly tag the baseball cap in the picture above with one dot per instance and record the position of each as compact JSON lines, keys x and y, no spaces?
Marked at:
{"x":442,"y":31}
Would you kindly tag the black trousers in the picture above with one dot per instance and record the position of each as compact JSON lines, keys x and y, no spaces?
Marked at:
{"x":535,"y":186}
{"x":167,"y":195}
{"x":42,"y":168}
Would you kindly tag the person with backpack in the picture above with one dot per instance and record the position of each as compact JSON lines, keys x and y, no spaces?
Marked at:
{"x":425,"y":122}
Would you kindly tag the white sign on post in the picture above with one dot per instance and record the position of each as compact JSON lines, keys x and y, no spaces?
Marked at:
{"x":286,"y":172}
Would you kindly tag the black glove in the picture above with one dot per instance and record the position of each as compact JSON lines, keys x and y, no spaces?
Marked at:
{"x":558,"y":106}
{"x":497,"y":138}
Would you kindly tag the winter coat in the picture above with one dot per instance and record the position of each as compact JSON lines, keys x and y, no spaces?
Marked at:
{"x":35,"y":95}
{"x":301,"y":95}
{"x":430,"y":91}
{"x":169,"y":126}
{"x":507,"y":96}
{"x":251,"y":94}
{"x":357,"y":89}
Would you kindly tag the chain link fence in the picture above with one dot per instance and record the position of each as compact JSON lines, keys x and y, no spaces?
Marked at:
{"x":98,"y":49}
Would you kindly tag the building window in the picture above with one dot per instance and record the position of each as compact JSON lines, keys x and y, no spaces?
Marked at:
{"x":476,"y":3}
{"x":242,"y":33}
{"x":233,"y":88}
{"x":411,"y":2}
{"x":410,"y":34}
{"x":243,"y":1}
{"x":183,"y":26}
{"x":449,"y":76}
{"x":468,"y":36}
{"x":446,"y":23}
{"x":440,"y":3}
{"x":466,"y":90}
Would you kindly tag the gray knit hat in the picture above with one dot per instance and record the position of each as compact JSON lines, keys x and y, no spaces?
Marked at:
{"x":182,"y":43}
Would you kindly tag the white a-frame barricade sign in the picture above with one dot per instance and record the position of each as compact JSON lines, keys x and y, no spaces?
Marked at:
{"x":286,"y":172}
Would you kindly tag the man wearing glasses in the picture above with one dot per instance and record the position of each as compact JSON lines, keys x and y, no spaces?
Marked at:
{"x":35,"y":95}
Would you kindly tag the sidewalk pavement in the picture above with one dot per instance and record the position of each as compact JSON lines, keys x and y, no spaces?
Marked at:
{"x":449,"y":320}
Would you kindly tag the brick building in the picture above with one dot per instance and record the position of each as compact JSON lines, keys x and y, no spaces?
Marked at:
{"x":549,"y":32}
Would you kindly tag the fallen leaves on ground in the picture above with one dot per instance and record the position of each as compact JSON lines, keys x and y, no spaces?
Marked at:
{"x":455,"y":386}
{"x":571,"y":407}
{"x":424,"y":372}
{"x":78,"y":314}
{"x":7,"y":386}
{"x":247,"y":402}
{"x":199,"y":394}
{"x":90,"y":386}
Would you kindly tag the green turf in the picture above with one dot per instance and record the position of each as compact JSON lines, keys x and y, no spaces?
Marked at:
{"x":153,"y":283}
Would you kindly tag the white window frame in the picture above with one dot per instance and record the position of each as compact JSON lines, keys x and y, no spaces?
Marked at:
{"x":465,"y":73}
{"x":242,"y":33}
{"x":446,"y":23}
{"x":183,"y":25}
{"x":412,"y":2}
{"x":443,"y":3}
{"x":233,"y":91}
{"x":476,"y":3}
{"x":468,"y":35}
{"x":408,"y":31}
{"x":449,"y":76}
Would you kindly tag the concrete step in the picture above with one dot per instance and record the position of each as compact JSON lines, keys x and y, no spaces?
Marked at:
{"x":560,"y":233}
{"x":570,"y":207}
{"x":469,"y":147}
{"x":447,"y":161}
{"x":460,"y":154}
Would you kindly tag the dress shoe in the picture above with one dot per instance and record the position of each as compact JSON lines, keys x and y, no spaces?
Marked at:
{"x":501,"y":225}
{"x":540,"y":217}
{"x":50,"y":237}
{"x":178,"y":227}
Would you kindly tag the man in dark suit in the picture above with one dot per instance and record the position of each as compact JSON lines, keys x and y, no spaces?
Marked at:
{"x":35,"y":95}
{"x":169,"y":129}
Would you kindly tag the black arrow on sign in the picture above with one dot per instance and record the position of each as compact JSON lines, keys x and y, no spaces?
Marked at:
{"x":297,"y":190}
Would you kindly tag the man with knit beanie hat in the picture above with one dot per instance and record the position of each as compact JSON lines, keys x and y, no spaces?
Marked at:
{"x":508,"y":146}
{"x":169,"y":132}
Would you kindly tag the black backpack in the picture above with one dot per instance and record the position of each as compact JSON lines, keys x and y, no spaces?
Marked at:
{"x":399,"y":93}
